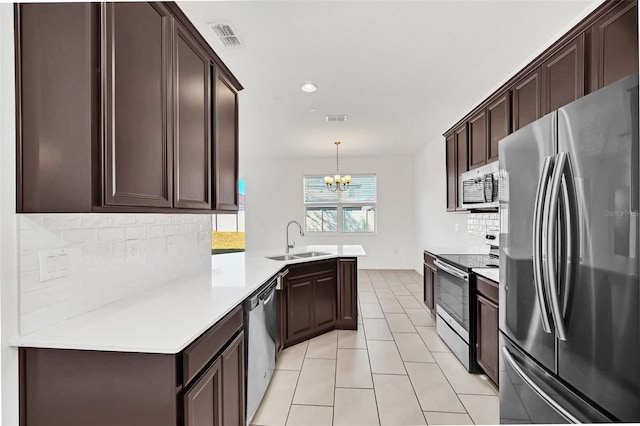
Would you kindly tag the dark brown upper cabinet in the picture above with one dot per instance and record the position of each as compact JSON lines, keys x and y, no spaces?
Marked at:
{"x":57,"y":58}
{"x":225,"y":158}
{"x":457,"y":162}
{"x":452,"y":180}
{"x":498,"y":123}
{"x":478,"y":139}
{"x":462,"y":158}
{"x":613,"y":41}
{"x":563,"y":75}
{"x":192,"y":129}
{"x":119,"y":110}
{"x":137,"y":110}
{"x":527,"y":99}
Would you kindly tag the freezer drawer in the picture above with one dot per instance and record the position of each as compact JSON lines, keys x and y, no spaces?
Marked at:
{"x":530,"y":394}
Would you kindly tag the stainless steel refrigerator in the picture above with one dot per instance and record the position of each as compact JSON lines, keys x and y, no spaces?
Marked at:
{"x":569,"y":261}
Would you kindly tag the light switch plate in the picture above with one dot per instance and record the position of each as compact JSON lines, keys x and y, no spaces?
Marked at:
{"x":54,"y":263}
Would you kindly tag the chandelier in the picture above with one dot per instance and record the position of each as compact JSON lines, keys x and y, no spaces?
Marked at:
{"x":337,"y":182}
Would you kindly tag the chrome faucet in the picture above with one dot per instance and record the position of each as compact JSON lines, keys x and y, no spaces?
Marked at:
{"x":290,"y":246}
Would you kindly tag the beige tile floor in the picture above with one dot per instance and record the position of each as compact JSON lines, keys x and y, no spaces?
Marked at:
{"x":394,"y":370}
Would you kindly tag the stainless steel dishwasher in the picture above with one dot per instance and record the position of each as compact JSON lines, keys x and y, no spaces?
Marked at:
{"x":260,"y":332}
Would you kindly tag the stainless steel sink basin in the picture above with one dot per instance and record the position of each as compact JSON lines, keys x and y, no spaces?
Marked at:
{"x":303,"y":255}
{"x":311,"y":254}
{"x":283,"y":257}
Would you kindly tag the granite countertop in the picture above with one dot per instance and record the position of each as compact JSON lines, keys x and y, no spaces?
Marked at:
{"x":166,"y":319}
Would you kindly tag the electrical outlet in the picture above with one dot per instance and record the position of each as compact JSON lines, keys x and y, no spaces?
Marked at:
{"x":54,"y":263}
{"x":133,"y":250}
{"x":457,"y":227}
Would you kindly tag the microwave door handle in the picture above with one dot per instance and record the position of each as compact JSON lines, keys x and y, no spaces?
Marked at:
{"x":551,"y":228}
{"x":538,"y":248}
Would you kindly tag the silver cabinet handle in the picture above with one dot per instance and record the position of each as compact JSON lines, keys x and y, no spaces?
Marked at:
{"x":538,"y":273}
{"x":556,"y":406}
{"x":551,"y":219}
{"x":279,"y":278}
{"x":451,"y":270}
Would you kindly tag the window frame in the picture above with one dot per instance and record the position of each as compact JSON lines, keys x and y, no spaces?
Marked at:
{"x":339,"y":207}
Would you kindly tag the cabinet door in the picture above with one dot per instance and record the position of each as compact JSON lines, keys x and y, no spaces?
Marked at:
{"x":498,"y":123}
{"x":347,"y":294}
{"x":478,"y":140}
{"x":299,"y":308}
{"x":462,"y":159}
{"x":192,"y":123}
{"x":487,"y":331}
{"x":452,"y":174}
{"x":233,"y":383}
{"x":325,"y":295}
{"x":137,"y":49}
{"x":614,"y":45}
{"x":564,"y":75}
{"x":429,"y":285}
{"x":203,"y":402}
{"x":526,"y":106}
{"x":226,"y":145}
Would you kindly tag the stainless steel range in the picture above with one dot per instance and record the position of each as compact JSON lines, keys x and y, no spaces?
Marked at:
{"x":456,"y":287}
{"x":456,"y":307}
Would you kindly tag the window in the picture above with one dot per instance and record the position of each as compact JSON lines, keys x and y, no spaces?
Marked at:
{"x":227,"y":234}
{"x":350,"y":211}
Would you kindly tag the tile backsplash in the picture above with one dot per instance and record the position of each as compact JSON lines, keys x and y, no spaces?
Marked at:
{"x":479,"y":223}
{"x":162,"y":248}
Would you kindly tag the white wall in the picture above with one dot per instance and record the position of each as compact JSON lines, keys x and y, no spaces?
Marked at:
{"x":8,"y":222}
{"x":274,"y":196}
{"x":434,"y":226}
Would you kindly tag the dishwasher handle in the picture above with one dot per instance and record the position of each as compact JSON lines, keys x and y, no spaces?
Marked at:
{"x":262,"y":296}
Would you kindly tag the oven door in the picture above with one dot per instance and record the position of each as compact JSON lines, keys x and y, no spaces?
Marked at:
{"x":453,"y":298}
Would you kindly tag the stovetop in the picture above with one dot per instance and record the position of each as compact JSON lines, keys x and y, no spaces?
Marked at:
{"x":468,"y":261}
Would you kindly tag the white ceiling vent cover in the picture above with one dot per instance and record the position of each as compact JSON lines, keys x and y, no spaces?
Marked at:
{"x":226,"y":34}
{"x":336,"y":118}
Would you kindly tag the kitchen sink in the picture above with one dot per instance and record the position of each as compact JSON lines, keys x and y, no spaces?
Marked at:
{"x":311,"y":254}
{"x":283,"y":257}
{"x":295,"y":256}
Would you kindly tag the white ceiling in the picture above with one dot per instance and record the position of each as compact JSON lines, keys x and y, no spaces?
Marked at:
{"x":402,"y":71}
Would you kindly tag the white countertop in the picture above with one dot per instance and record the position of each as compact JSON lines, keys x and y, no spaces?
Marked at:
{"x":166,"y":319}
{"x":475,"y":249}
{"x":490,"y":273}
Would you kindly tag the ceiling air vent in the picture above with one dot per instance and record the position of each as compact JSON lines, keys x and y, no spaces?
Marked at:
{"x":226,"y":34}
{"x":336,"y":118}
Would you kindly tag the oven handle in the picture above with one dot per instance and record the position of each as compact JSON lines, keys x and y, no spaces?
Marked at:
{"x":451,"y":270}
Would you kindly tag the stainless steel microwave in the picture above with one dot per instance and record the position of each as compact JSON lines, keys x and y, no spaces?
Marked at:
{"x":479,"y":188}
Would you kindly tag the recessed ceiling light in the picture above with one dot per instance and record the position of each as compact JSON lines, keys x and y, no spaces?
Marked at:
{"x":309,"y":87}
{"x":312,"y":110}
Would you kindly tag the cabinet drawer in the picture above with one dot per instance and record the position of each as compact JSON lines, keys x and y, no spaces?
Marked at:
{"x":429,"y":259}
{"x":200,"y":352}
{"x":487,"y":288}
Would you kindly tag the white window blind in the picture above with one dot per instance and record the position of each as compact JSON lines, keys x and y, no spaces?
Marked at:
{"x":361,"y":190}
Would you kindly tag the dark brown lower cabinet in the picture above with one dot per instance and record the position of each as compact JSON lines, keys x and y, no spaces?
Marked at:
{"x":281,"y":328}
{"x":487,"y":353}
{"x":319,"y":296}
{"x":429,"y":282}
{"x":203,"y":402}
{"x":347,"y":294}
{"x":201,"y":386}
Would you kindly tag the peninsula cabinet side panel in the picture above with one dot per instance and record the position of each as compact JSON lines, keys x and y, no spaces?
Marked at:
{"x":347,"y":294}
{"x":73,"y":387}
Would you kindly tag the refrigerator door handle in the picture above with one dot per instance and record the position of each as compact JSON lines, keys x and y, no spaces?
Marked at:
{"x":570,"y":235}
{"x":532,"y":384}
{"x":538,"y":248}
{"x":551,"y":269}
